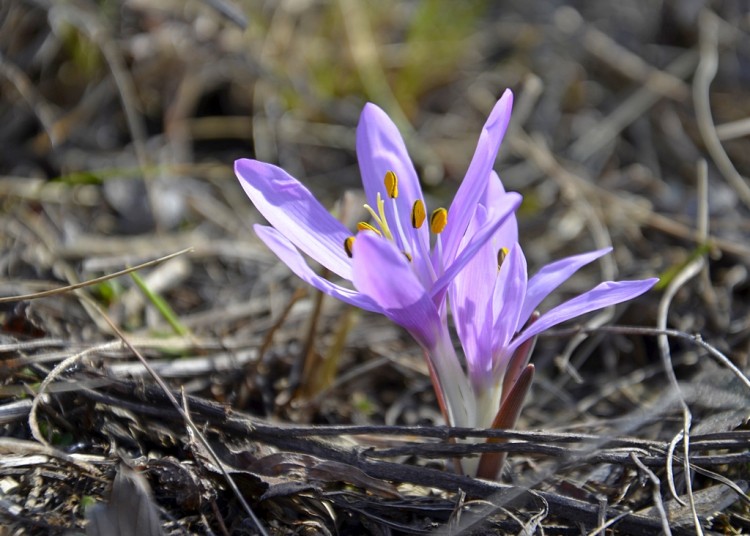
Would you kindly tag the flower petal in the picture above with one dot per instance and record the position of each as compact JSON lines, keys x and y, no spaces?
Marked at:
{"x":552,"y":276}
{"x":603,"y":295}
{"x":507,"y":300}
{"x":380,"y":148}
{"x":507,"y":234}
{"x":471,"y":299}
{"x":508,"y":205}
{"x":285,"y":250}
{"x":475,"y":181}
{"x":296,"y":214}
{"x":382,"y":273}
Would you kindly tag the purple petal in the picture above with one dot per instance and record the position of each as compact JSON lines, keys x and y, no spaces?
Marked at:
{"x":475,"y":181}
{"x":289,"y":255}
{"x":296,"y":214}
{"x":471,"y":299}
{"x":469,"y":293}
{"x":382,"y":273}
{"x":507,"y":234}
{"x":552,"y":276}
{"x":380,"y":148}
{"x":508,"y":297}
{"x":509,"y":203}
{"x":603,"y":295}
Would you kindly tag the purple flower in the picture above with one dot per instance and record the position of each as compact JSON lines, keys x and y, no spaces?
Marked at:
{"x":401,"y":262}
{"x":493,"y":303}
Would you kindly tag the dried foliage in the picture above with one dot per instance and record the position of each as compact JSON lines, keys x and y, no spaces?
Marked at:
{"x":250,"y":405}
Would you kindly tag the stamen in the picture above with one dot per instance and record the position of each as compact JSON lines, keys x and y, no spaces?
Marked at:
{"x":348,"y":245}
{"x":364,"y":226}
{"x":418,"y":214}
{"x":439,"y":249}
{"x":418,"y":244}
{"x":438,"y":220}
{"x":406,"y":254}
{"x":379,"y":217}
{"x":374,"y":214}
{"x":391,"y":189}
{"x":401,"y":236}
{"x":391,"y":184}
{"x":501,"y":254}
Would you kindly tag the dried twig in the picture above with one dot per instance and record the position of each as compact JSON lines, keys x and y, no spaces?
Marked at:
{"x":709,"y":63}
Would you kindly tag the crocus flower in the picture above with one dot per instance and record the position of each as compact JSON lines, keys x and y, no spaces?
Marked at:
{"x":393,"y":266}
{"x":494,"y":304}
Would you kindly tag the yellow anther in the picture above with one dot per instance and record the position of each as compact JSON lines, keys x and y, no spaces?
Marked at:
{"x":438,"y":220}
{"x":501,"y":254}
{"x":391,"y":185}
{"x":364,"y":226}
{"x":407,"y":255}
{"x":418,"y":214}
{"x":348,"y":245}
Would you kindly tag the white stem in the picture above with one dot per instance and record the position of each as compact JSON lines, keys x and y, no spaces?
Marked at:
{"x":457,"y":392}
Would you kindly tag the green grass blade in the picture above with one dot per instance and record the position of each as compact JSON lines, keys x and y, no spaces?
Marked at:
{"x":161,"y":305}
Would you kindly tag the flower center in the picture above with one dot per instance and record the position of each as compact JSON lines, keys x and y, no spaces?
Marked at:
{"x":410,"y":243}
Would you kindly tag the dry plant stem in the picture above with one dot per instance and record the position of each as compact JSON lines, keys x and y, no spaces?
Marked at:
{"x":491,"y":463}
{"x":724,"y":480}
{"x":523,"y":105}
{"x":219,"y":518}
{"x":656,"y":493}
{"x":53,"y":374}
{"x":603,"y":526}
{"x":691,"y":270}
{"x":28,"y":92}
{"x":618,"y":456}
{"x":633,"y":66}
{"x":229,"y":11}
{"x":628,"y":111}
{"x":62,"y":290}
{"x":707,"y":67}
{"x":733,"y":129}
{"x":12,"y":446}
{"x":637,"y":330}
{"x":308,"y":381}
{"x":332,"y":358}
{"x":548,"y":164}
{"x":351,"y":374}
